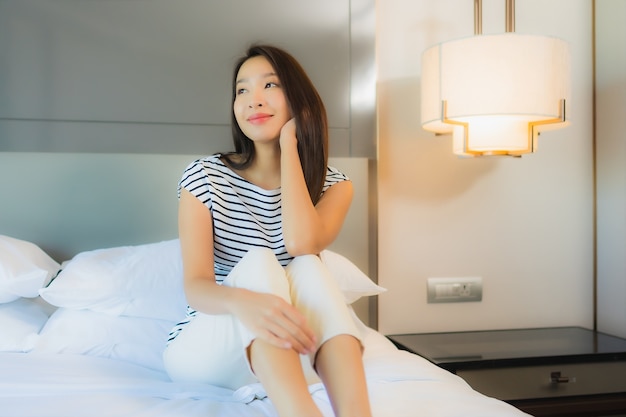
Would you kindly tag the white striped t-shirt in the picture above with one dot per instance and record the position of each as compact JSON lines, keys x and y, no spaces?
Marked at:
{"x":244,"y":215}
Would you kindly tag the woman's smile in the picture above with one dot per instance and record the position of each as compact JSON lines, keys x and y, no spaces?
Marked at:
{"x":259,"y":118}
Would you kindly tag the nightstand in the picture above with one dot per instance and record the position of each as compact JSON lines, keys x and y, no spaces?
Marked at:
{"x":564,"y":371}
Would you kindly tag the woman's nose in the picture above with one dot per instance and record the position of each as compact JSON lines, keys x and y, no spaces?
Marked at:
{"x":256,"y":100}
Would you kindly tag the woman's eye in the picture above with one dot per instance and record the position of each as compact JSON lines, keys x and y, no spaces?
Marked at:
{"x":270,"y":85}
{"x":240,"y":91}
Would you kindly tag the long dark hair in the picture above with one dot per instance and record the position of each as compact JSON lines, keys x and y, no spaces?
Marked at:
{"x":305,"y":105}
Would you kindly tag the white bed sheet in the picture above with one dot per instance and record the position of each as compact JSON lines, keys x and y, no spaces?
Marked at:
{"x":66,"y":385}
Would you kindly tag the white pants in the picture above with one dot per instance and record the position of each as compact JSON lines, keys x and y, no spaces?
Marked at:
{"x":212,"y":348}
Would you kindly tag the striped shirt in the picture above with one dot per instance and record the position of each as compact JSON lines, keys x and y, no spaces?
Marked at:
{"x":244,"y":215}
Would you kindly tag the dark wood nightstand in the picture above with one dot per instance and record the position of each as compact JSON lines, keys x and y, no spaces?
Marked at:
{"x":564,"y":371}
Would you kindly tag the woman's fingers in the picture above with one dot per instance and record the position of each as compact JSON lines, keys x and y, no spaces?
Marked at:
{"x":288,"y":133}
{"x":277,"y":322}
{"x":288,"y":326}
{"x":292,"y":328}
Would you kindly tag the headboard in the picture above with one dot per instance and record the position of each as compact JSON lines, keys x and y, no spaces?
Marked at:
{"x":72,"y":202}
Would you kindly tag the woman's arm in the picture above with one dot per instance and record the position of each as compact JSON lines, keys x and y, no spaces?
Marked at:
{"x":266,"y":315}
{"x":308,"y":229}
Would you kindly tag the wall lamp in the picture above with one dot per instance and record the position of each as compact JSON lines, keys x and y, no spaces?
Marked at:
{"x":495,"y":93}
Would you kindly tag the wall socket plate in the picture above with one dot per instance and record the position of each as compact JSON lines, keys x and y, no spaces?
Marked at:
{"x":455,"y":290}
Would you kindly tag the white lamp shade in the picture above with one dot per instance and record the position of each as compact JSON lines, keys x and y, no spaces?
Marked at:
{"x":496,"y":85}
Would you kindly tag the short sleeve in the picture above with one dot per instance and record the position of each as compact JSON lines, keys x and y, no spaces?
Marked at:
{"x":196,"y":181}
{"x":333,"y":176}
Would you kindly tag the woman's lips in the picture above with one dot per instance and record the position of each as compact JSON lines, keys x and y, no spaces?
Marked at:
{"x":259,"y":118}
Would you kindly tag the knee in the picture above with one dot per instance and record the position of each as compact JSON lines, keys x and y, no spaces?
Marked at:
{"x":306,"y":267}
{"x":258,"y":256}
{"x":257,"y":262}
{"x":306,"y":261}
{"x":259,"y":270}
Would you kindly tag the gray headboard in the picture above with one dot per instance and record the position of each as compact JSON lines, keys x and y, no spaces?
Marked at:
{"x":68,"y":203}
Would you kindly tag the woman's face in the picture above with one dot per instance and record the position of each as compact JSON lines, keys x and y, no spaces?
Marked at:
{"x":260,"y":106}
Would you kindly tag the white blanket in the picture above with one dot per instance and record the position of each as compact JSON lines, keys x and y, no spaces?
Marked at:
{"x":65,"y":385}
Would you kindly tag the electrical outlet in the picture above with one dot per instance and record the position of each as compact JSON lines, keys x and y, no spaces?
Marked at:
{"x":455,"y":290}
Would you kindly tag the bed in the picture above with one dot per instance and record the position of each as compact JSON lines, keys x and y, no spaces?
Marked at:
{"x":90,"y":285}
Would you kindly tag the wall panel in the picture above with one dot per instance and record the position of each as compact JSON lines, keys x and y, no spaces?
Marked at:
{"x":78,"y":70}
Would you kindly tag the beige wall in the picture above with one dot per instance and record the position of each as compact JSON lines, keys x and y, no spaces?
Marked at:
{"x":524,"y":225}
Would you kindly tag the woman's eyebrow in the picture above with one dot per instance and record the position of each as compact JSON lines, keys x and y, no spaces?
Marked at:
{"x":266,"y":75}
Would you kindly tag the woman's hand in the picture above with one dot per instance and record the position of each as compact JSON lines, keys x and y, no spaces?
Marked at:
{"x":288,"y":134}
{"x":275,"y":321}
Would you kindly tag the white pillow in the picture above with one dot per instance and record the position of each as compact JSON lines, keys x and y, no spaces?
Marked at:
{"x":146,"y":281}
{"x":24,"y":269}
{"x":20,"y":322}
{"x":352,"y":281}
{"x":140,"y":281}
{"x":134,"y":339}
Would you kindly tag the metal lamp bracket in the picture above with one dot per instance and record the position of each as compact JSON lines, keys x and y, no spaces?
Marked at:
{"x":533,"y":132}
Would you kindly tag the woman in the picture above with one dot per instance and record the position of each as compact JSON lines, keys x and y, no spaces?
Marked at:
{"x":262,"y":306}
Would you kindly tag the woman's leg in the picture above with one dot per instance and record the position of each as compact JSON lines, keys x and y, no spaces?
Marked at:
{"x":281,"y":374}
{"x":340,"y":365}
{"x":279,"y":370}
{"x":216,"y":349}
{"x":209,"y":350}
{"x":338,"y":360}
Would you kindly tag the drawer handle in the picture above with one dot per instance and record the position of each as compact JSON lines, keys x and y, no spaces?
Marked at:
{"x":557,"y":378}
